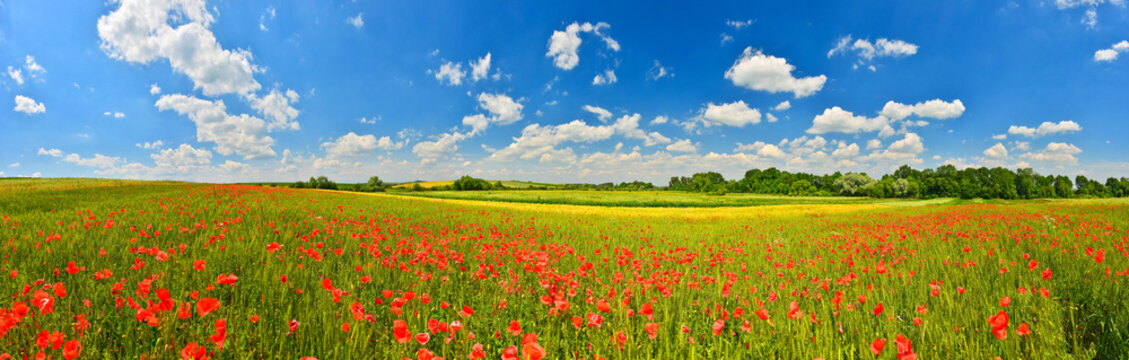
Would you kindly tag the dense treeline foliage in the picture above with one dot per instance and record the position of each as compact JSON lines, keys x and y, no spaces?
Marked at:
{"x":907,"y":182}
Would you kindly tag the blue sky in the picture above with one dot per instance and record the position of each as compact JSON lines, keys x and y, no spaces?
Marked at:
{"x":561,"y":92}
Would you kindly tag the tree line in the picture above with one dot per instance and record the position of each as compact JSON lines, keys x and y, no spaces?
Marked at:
{"x":907,"y":182}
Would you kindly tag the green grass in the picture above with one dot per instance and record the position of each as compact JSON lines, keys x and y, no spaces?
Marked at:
{"x":695,"y":266}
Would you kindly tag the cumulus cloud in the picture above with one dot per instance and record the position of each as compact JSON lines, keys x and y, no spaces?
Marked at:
{"x":451,"y":73}
{"x":28,"y":105}
{"x":757,"y":71}
{"x":866,"y":51}
{"x":16,"y":75}
{"x":601,"y":113}
{"x":935,"y":109}
{"x":563,"y":45}
{"x":836,"y":119}
{"x":51,"y":152}
{"x":1112,"y":52}
{"x":1046,"y":128}
{"x":182,"y":157}
{"x":275,"y":106}
{"x":1055,"y":153}
{"x":996,"y":152}
{"x":607,"y":78}
{"x":116,"y":115}
{"x":503,"y":110}
{"x":537,"y":139}
{"x":481,"y":68}
{"x":154,"y":89}
{"x":684,"y":145}
{"x":142,"y":31}
{"x":661,"y":119}
{"x":783,"y":105}
{"x":430,"y":151}
{"x":240,"y":134}
{"x":736,"y":114}
{"x":351,"y":145}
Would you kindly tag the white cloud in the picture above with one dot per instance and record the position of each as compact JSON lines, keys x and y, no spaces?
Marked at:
{"x":141,"y":31}
{"x":661,"y":119}
{"x":450,"y":72}
{"x":154,"y":89}
{"x":999,"y":137}
{"x":447,"y":143}
{"x":736,"y":114}
{"x":182,"y":157}
{"x":505,"y":110}
{"x":481,"y":68}
{"x":1106,"y":55}
{"x":28,"y":105}
{"x":911,"y":144}
{"x":357,"y":21}
{"x":151,"y":145}
{"x":683,"y":145}
{"x":865,"y":51}
{"x":658,"y":71}
{"x":98,"y":161}
{"x":275,"y":106}
{"x":116,"y":115}
{"x":32,"y":67}
{"x":234,"y":166}
{"x":607,"y":78}
{"x":846,"y":151}
{"x":935,"y":109}
{"x":873,"y":144}
{"x":601,"y":113}
{"x":996,"y":152}
{"x":1090,"y":17}
{"x":1055,"y":153}
{"x":51,"y":152}
{"x":771,"y":151}
{"x":241,"y":134}
{"x":771,"y":118}
{"x":738,"y":25}
{"x":351,"y":145}
{"x":537,"y":139}
{"x":783,"y":105}
{"x":14,"y":165}
{"x":1046,"y":128}
{"x":1021,"y":145}
{"x":264,"y":17}
{"x":16,"y":74}
{"x":836,"y":119}
{"x":563,"y":45}
{"x":756,"y":71}
{"x":726,"y":38}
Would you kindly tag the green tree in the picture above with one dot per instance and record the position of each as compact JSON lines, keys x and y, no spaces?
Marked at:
{"x":852,"y":184}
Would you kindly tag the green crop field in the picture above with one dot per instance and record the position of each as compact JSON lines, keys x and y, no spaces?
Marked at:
{"x":651,"y":198}
{"x":161,"y":270}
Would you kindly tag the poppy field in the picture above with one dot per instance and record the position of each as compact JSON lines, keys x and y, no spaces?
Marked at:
{"x":194,"y":271}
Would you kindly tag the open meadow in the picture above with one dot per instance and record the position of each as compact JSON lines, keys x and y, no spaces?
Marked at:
{"x":177,"y":270}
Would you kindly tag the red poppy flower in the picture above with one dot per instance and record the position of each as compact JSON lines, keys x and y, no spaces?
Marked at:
{"x":206,"y":306}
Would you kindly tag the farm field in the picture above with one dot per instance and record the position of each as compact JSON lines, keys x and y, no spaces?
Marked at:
{"x":163,"y":270}
{"x":507,"y":183}
{"x":646,"y":198}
